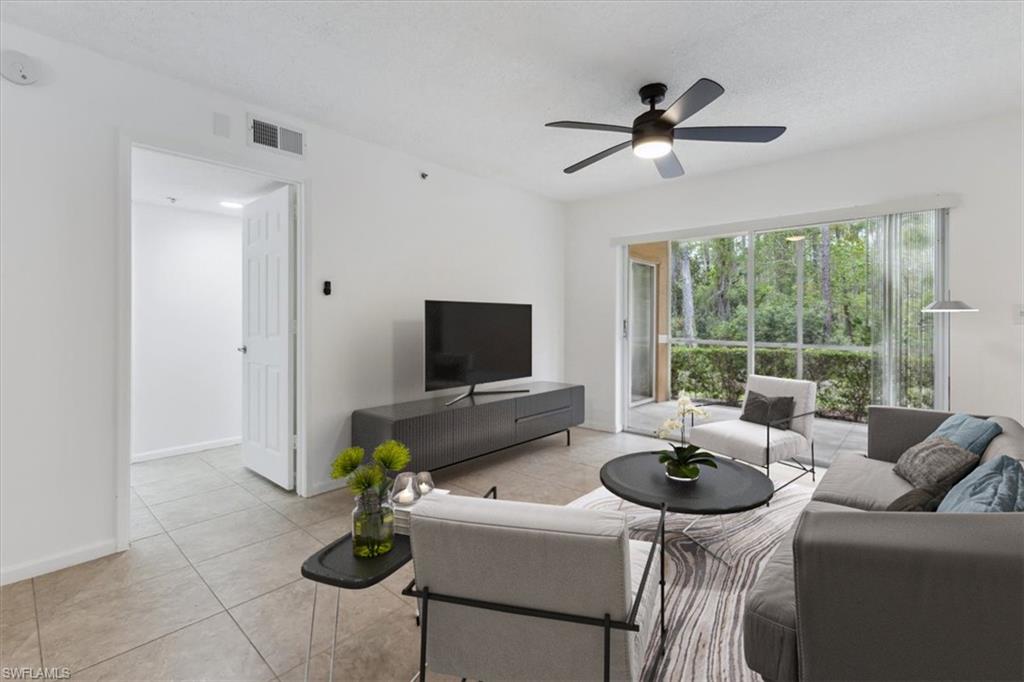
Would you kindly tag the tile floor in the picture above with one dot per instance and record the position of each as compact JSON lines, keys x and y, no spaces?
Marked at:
{"x":211,"y":589}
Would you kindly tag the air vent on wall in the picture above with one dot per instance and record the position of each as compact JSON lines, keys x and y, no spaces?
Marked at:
{"x":266,"y":134}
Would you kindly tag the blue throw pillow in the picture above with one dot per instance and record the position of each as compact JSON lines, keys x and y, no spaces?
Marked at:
{"x":968,"y":432}
{"x":995,"y":486}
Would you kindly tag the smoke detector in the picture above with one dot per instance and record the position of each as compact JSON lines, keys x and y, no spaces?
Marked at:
{"x":18,"y":67}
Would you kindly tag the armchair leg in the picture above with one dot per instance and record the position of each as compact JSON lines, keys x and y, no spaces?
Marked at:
{"x":423,"y":635}
{"x":812,"y":460}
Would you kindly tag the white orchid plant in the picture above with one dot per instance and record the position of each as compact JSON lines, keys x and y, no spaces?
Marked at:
{"x":684,"y":460}
{"x":685,"y":407}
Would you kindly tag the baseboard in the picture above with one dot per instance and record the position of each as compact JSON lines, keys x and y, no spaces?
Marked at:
{"x":594,"y":425}
{"x":185,"y":449}
{"x":55,"y":562}
{"x":326,"y":486}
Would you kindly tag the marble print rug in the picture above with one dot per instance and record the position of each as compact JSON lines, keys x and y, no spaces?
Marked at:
{"x":704,"y":596}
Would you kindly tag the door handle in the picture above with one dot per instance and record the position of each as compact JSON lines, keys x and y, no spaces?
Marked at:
{"x":242,"y":349}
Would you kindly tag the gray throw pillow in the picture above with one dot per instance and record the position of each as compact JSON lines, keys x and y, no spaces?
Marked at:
{"x":935,"y":463}
{"x":763,"y":409}
{"x":918,"y":499}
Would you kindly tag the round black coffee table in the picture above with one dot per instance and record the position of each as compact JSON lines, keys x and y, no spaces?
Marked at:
{"x":731,"y":488}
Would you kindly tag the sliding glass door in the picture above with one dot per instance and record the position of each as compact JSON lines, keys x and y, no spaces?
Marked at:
{"x":839,"y":304}
{"x":642,"y":331}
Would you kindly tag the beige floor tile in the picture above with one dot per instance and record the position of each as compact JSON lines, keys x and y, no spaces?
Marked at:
{"x":259,"y":568}
{"x":385,"y":651}
{"x":516,"y":486}
{"x":144,"y":524}
{"x":305,"y":511}
{"x":473,"y":476}
{"x":17,"y":603}
{"x":84,"y":632}
{"x":166,"y":468}
{"x":19,"y":645}
{"x":212,"y":649}
{"x":592,"y":454}
{"x":207,"y":539}
{"x":278,"y":623}
{"x":147,"y":558}
{"x":220,"y":458}
{"x":329,"y":530}
{"x":257,"y":485}
{"x":582,"y":477}
{"x":178,"y":487}
{"x":526,"y":489}
{"x":204,"y":506}
{"x":397,"y":581}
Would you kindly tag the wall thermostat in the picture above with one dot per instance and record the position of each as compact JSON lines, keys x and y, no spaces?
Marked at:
{"x":18,"y":67}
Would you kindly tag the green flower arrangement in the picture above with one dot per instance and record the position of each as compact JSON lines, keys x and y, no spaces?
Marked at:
{"x":389,"y":456}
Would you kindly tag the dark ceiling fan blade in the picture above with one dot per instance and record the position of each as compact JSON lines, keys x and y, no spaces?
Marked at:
{"x":669,"y":165}
{"x":702,"y":93}
{"x":730,"y":133}
{"x":582,"y":125}
{"x":598,"y":156}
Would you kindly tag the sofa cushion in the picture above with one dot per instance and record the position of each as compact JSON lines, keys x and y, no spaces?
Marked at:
{"x":1010,"y":442}
{"x":746,"y":441}
{"x":996,"y":486}
{"x":936,"y":462}
{"x":769,"y":618}
{"x":856,"y":481}
{"x":970,"y":433}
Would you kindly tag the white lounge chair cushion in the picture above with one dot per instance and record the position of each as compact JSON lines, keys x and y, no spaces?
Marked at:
{"x":747,"y":441}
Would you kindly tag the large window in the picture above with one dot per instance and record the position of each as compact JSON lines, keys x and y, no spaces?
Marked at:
{"x":839,"y":304}
{"x":709,"y":316}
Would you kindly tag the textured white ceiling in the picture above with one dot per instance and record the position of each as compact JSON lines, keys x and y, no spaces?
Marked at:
{"x":195,"y":185}
{"x":470,"y":84}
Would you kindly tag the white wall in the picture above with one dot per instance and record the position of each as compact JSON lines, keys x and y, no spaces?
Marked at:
{"x":387,"y":239}
{"x":981,"y":161}
{"x":186,"y":325}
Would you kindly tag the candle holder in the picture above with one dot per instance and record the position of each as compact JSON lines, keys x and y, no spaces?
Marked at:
{"x":405,"y":491}
{"x":424,"y":482}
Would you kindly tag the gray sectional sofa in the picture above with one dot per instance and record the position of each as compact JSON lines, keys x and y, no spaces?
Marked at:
{"x":858,"y":593}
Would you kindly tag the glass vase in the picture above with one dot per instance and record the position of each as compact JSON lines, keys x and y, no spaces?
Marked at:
{"x":373,"y":525}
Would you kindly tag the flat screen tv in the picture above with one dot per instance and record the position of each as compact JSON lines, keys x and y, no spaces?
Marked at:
{"x":475,"y":343}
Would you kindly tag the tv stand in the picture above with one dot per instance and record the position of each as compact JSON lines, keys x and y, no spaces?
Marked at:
{"x":472,"y":392}
{"x":440,"y":432}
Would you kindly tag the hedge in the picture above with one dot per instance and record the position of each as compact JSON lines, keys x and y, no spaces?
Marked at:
{"x":720,"y":373}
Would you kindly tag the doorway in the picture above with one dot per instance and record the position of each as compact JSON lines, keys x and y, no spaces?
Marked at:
{"x":214,"y":303}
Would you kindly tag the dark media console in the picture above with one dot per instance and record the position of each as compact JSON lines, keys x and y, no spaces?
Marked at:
{"x":440,"y":435}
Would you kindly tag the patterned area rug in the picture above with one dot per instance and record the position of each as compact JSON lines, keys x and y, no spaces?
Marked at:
{"x":704,"y":596}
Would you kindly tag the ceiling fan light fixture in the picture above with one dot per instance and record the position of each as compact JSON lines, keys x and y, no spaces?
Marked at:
{"x":654,"y":148}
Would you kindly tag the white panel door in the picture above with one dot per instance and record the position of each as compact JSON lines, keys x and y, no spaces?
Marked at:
{"x":267,"y":415}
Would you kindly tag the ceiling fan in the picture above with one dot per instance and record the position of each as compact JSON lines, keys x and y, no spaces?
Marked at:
{"x":654,"y":130}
